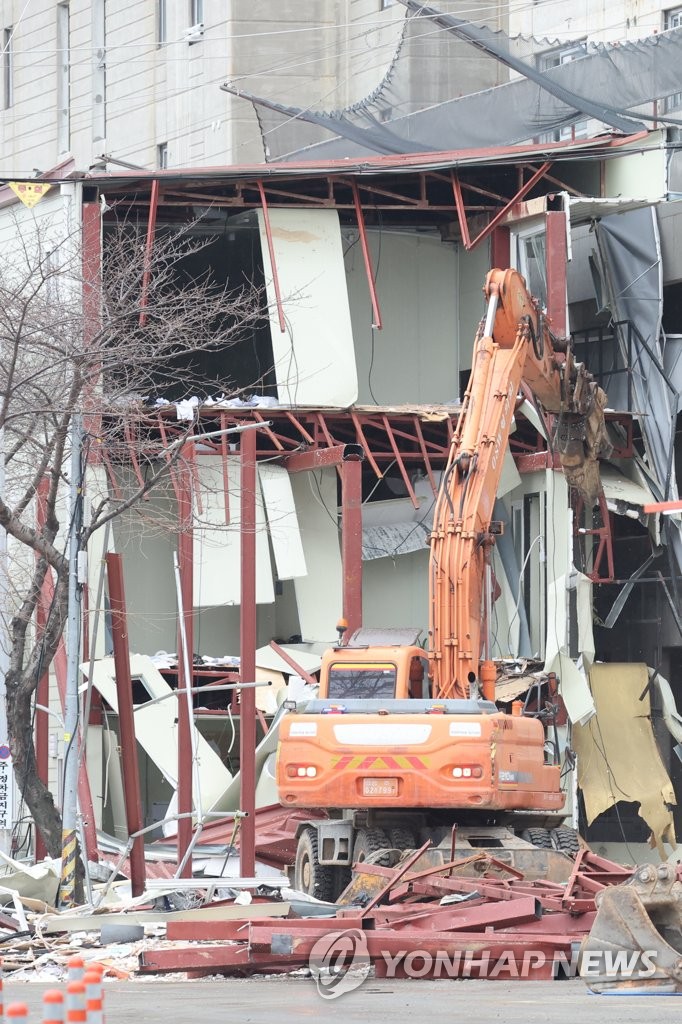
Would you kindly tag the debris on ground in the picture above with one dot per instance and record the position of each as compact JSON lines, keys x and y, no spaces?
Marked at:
{"x":429,"y":915}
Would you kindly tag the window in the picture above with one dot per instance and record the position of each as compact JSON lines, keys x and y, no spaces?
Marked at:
{"x":196,"y":15}
{"x":672,"y":18}
{"x":387,"y":3}
{"x":162,"y":155}
{"x":63,"y":79}
{"x":7,"y":68}
{"x":347,"y":681}
{"x":161,"y":23}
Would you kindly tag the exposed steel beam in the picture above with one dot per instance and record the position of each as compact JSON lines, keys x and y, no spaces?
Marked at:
{"x":556,"y":259}
{"x":149,"y":247}
{"x":322,"y":458}
{"x":400,"y":463}
{"x":273,"y":262}
{"x":376,"y":312}
{"x":126,"y":721}
{"x":522,"y":191}
{"x":351,"y":541}
{"x":293,"y":664}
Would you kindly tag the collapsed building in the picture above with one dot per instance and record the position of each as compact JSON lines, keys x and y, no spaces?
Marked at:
{"x":371,"y":240}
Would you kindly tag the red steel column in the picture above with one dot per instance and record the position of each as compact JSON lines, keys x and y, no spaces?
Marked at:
{"x":126,"y":721}
{"x":500,"y":248}
{"x":247,"y":656}
{"x":556,"y":258}
{"x":351,"y":541}
{"x":185,"y":723}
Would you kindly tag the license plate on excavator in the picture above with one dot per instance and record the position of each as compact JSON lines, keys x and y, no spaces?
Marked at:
{"x":379,"y":787}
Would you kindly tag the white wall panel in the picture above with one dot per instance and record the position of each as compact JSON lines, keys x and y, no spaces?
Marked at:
{"x":314,"y":357}
{"x":217,"y":543}
{"x":319,"y":594}
{"x":414,"y":358}
{"x":285,"y":535}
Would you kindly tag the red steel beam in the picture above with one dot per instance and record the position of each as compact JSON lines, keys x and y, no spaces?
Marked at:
{"x":185,"y":680}
{"x":351,"y":542}
{"x":556,"y":259}
{"x":319,"y":458}
{"x":401,"y":464}
{"x":273,"y":262}
{"x":363,"y":441}
{"x":522,"y":191}
{"x":247,"y":656}
{"x":126,"y":721}
{"x":500,"y":247}
{"x":376,"y":312}
{"x":151,"y":232}
{"x":293,"y":664}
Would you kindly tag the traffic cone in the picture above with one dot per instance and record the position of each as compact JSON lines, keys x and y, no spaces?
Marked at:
{"x":75,"y":1003}
{"x":17,"y":1012}
{"x":76,"y":966}
{"x":53,"y":1007}
{"x":2,"y":1009}
{"x":93,"y":997}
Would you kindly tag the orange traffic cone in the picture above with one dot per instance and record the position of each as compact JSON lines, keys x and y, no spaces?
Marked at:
{"x":53,"y":1007}
{"x":75,"y":1003}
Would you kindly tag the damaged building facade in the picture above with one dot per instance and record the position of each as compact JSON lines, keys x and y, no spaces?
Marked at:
{"x":370,"y":232}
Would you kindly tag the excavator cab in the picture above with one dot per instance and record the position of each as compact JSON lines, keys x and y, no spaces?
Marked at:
{"x":376,"y":673}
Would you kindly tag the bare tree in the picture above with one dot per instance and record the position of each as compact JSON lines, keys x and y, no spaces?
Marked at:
{"x":98,"y":348}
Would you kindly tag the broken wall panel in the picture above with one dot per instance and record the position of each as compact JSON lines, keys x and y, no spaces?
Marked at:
{"x":314,"y":356}
{"x":319,"y":594}
{"x":618,"y":759}
{"x":217,"y":539}
{"x":156,"y":729}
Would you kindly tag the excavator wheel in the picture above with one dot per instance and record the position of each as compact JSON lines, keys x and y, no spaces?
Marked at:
{"x":369,"y":841}
{"x":565,"y":840}
{"x":311,"y":877}
{"x":539,"y":837}
{"x":402,"y":838}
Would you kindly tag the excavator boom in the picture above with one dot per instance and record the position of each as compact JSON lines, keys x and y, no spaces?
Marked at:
{"x":513,"y":347}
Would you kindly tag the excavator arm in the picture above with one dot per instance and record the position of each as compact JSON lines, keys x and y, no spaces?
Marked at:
{"x":513,"y":345}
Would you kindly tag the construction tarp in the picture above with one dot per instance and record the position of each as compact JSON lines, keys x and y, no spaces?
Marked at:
{"x":607,"y":85}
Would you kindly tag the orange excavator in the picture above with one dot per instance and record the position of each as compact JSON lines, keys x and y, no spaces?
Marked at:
{"x":402,"y":744}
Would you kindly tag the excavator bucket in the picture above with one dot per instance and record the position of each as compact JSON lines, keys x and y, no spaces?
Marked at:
{"x":635,"y":944}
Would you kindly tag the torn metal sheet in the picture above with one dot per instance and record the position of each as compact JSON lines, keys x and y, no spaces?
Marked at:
{"x":574,"y":690}
{"x":623,"y":496}
{"x":671,"y":716}
{"x":217,"y":538}
{"x":630,"y":264}
{"x":308,"y":256}
{"x":618,"y":758}
{"x":38,"y":881}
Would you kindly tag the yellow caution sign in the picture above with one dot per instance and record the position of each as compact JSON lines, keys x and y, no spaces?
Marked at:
{"x":30,"y":192}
